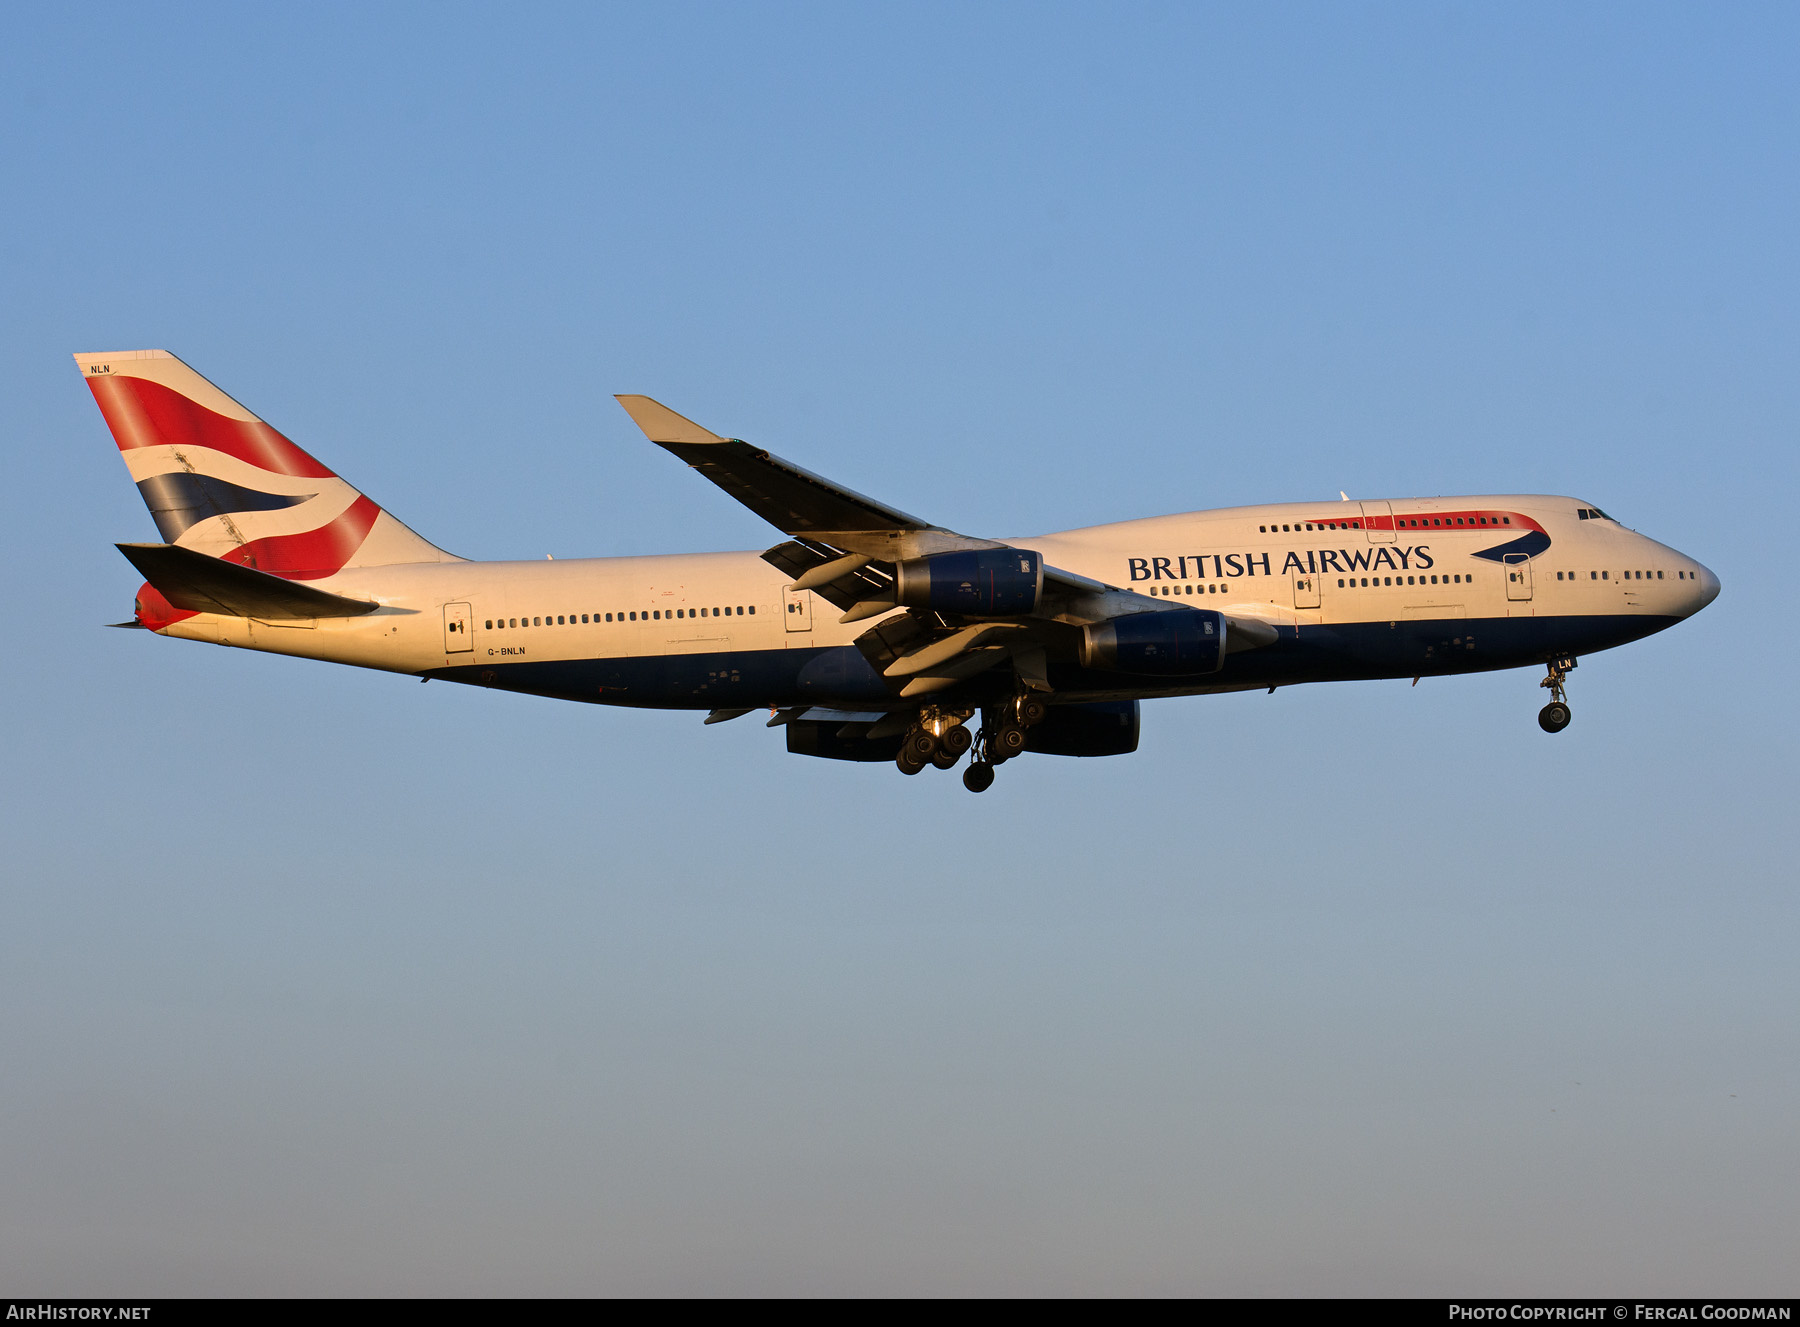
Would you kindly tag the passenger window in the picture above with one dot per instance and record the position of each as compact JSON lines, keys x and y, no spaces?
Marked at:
{"x":490,"y":624}
{"x":752,"y":610}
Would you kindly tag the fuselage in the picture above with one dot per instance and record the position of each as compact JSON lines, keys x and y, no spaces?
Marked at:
{"x":1401,"y":588}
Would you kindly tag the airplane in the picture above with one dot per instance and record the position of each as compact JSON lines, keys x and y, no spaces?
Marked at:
{"x":867,"y":633}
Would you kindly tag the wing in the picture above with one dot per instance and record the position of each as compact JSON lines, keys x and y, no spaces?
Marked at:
{"x":844,"y":546}
{"x":795,"y":501}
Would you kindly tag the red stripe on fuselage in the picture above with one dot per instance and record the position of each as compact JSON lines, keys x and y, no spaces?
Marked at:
{"x":311,"y":554}
{"x":142,"y":413}
{"x":1455,"y":520}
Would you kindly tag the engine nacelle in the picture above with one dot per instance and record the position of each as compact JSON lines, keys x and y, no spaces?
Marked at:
{"x":1172,"y":642}
{"x":808,"y":737}
{"x":982,"y":582}
{"x":1097,"y":728}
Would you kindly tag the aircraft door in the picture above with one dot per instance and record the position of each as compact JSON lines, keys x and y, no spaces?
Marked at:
{"x":1518,"y":576}
{"x":1306,"y":590}
{"x":796,"y":609}
{"x":1378,"y":522}
{"x":459,"y":636}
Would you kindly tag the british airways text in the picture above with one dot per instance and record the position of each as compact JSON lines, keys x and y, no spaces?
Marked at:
{"x":1200,"y":566}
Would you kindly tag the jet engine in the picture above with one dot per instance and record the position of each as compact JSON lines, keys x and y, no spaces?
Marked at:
{"x":982,"y":582}
{"x":1097,"y":728}
{"x":1173,"y":642}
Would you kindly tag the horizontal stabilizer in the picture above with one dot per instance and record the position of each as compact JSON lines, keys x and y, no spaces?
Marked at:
{"x":203,"y":584}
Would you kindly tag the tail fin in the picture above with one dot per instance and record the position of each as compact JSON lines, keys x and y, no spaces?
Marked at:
{"x":221,"y":482}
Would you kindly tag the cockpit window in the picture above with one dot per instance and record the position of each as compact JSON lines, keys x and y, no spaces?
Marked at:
{"x":1593,"y":514}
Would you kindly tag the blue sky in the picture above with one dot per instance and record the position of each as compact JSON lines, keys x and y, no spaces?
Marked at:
{"x":317,"y":981}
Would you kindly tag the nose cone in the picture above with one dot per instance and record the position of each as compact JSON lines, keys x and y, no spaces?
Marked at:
{"x":1706,"y":591}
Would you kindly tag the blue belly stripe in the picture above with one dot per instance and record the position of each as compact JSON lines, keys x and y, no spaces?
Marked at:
{"x":840,"y":677}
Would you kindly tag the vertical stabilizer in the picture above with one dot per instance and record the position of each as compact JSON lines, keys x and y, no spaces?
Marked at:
{"x":220,"y":481}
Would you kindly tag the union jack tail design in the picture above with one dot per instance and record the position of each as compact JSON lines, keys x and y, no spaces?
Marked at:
{"x":221,"y":482}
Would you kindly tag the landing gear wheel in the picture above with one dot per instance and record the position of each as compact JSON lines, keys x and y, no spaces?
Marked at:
{"x":909,"y":763}
{"x":1032,"y":711}
{"x":1554,"y":717}
{"x":944,"y":758}
{"x":955,"y":740}
{"x":1009,"y":742}
{"x":979,"y":777}
{"x":920,"y":744}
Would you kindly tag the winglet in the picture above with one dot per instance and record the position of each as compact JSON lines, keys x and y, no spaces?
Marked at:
{"x":663,"y":425}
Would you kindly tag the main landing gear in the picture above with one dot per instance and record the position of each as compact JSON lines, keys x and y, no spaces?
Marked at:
{"x":1554,"y":717}
{"x":937,"y":737}
{"x":941,"y":738}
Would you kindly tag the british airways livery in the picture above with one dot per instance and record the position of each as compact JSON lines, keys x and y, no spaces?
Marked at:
{"x":869,"y":634}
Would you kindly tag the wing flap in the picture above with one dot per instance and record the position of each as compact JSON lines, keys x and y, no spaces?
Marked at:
{"x":801,"y":558}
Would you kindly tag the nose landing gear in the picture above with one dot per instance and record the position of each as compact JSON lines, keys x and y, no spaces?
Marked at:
{"x":1554,"y":717}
